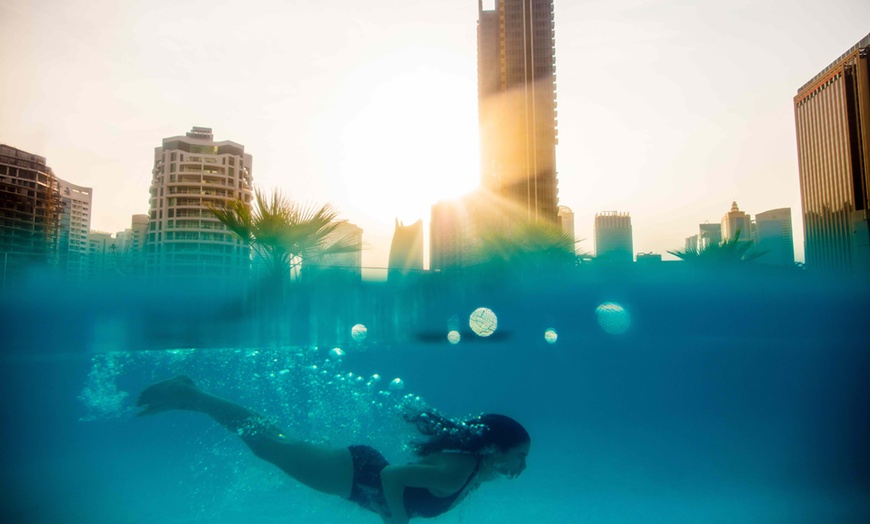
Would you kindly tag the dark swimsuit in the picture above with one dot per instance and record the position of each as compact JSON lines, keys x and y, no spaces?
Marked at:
{"x":368,"y":492}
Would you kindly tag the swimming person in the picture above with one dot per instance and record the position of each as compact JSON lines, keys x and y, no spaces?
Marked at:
{"x":455,"y":457}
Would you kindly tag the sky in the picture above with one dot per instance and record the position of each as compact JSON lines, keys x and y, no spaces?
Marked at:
{"x":668,"y":109}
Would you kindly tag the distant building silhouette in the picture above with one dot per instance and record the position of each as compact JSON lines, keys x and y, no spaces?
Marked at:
{"x":517,"y":108}
{"x":102,"y":255}
{"x":184,"y":237}
{"x":566,"y":220}
{"x":449,"y":234}
{"x":736,"y":222}
{"x":648,"y":258}
{"x":346,"y":263}
{"x":406,"y":250}
{"x":832,"y":120}
{"x":613,"y":237}
{"x":773,"y":237}
{"x":709,"y":234}
{"x":30,"y":210}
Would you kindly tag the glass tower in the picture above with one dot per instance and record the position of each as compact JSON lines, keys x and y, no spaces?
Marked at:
{"x":517,"y":107}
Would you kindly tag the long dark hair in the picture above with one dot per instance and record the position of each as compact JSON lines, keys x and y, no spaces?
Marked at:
{"x":479,"y":435}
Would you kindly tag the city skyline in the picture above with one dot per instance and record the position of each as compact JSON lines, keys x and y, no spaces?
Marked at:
{"x":666,"y":111}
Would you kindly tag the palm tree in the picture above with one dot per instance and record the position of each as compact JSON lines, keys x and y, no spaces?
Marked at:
{"x":284,"y":233}
{"x":727,"y":253}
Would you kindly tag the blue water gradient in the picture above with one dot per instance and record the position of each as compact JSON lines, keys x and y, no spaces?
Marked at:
{"x":740,"y":398}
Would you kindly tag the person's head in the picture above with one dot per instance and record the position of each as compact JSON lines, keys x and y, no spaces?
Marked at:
{"x":499,"y":436}
{"x":507,"y":441}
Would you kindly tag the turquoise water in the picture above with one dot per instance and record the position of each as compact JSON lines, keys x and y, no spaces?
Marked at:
{"x":654,"y":397}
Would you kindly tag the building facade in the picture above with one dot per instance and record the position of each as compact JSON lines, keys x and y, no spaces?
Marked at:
{"x":566,"y":221}
{"x":517,"y":108}
{"x":75,"y":224}
{"x":613,"y":237}
{"x":406,"y":250}
{"x":191,"y":173}
{"x":773,"y":237}
{"x":736,"y":225}
{"x":832,"y":121}
{"x":30,"y":210}
{"x":344,"y":263}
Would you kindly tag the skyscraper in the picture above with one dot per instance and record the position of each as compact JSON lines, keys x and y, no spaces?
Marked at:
{"x":773,"y":237}
{"x":448,"y":236}
{"x":75,"y":225}
{"x":736,"y":225}
{"x":406,"y":249}
{"x":832,"y":120}
{"x":566,"y":221}
{"x":517,"y":107}
{"x":192,"y":172}
{"x":613,"y":237}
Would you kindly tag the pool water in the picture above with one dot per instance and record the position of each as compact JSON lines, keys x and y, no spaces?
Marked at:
{"x":647,"y":399}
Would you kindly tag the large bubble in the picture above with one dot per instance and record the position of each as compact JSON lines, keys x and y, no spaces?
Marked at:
{"x":613,"y":318}
{"x":483,"y":322}
{"x":550,"y":335}
{"x":359,"y":332}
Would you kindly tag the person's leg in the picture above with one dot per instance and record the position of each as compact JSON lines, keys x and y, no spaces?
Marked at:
{"x":324,"y":469}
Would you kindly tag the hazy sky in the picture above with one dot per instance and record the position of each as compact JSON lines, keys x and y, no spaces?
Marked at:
{"x":668,"y":109}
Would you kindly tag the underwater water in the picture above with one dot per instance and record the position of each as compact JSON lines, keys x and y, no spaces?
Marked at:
{"x":649,"y":399}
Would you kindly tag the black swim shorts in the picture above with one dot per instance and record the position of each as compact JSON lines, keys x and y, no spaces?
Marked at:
{"x":367,"y":490}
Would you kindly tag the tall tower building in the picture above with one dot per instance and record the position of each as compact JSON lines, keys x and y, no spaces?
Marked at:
{"x":736,"y":222}
{"x":773,"y":237}
{"x":517,"y":107}
{"x":192,"y":172}
{"x":448,"y":236}
{"x":613,"y":237}
{"x":709,"y":235}
{"x":406,"y":249}
{"x":75,"y":225}
{"x":832,"y":120}
{"x":566,"y":221}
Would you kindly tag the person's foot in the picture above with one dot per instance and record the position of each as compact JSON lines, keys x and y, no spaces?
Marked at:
{"x":176,"y":393}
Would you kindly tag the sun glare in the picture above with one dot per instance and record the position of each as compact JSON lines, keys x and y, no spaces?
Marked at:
{"x":412,"y":142}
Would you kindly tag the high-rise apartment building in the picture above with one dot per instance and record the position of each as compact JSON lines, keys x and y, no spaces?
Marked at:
{"x":30,"y":210}
{"x":191,"y":173}
{"x":517,"y":108}
{"x":773,"y":237}
{"x":75,"y":224}
{"x":613,"y":237}
{"x":832,"y":120}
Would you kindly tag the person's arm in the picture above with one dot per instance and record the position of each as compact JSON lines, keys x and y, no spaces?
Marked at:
{"x":440,"y":477}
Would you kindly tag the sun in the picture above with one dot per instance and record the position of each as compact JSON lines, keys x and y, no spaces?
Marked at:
{"x":412,"y":142}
